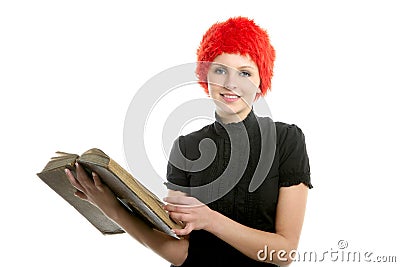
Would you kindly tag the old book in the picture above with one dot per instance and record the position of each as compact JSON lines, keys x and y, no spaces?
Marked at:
{"x":129,"y":191}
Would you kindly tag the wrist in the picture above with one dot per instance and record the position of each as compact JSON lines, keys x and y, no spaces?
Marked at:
{"x":213,"y":221}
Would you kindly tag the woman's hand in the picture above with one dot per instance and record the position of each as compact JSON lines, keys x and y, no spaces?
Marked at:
{"x":194,"y":214}
{"x":94,"y":191}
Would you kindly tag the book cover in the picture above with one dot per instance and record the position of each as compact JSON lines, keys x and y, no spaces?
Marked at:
{"x":129,"y":191}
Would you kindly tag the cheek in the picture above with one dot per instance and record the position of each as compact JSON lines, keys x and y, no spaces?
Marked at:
{"x":212,"y":92}
{"x":256,"y":82}
{"x":214,"y":89}
{"x":215,"y":80}
{"x":253,"y":86}
{"x":250,"y":96}
{"x":249,"y":99}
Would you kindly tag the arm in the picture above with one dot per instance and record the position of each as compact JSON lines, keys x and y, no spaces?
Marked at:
{"x":289,"y":220}
{"x":92,"y":190}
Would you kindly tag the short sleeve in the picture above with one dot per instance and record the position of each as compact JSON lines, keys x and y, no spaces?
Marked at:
{"x":294,"y":167}
{"x":176,"y":176}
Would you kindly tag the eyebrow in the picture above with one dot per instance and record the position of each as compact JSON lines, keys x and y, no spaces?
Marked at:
{"x":240,"y":67}
{"x":246,"y":66}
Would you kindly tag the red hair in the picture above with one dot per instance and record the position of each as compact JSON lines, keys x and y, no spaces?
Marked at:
{"x":238,"y":35}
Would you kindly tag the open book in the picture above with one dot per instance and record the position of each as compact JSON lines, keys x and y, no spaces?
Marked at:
{"x":129,"y":191}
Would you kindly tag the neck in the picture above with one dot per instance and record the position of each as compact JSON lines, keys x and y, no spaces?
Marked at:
{"x":226,"y":118}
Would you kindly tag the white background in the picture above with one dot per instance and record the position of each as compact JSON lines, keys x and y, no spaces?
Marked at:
{"x":66,"y":67}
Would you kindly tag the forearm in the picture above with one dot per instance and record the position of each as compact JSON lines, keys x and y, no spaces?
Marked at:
{"x":250,"y":241}
{"x":171,"y":249}
{"x":94,"y":191}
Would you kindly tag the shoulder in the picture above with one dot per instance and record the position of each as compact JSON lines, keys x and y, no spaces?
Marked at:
{"x":288,"y":133}
{"x":189,"y":143}
{"x":197,"y":136}
{"x":294,"y":167}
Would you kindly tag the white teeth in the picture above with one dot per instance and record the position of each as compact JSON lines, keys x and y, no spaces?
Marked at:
{"x":231,"y":96}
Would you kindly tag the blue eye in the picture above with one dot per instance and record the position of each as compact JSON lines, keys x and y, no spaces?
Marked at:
{"x":244,"y":74}
{"x":220,"y":71}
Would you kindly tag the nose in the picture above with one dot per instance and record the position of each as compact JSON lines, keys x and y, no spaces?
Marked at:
{"x":230,"y":82}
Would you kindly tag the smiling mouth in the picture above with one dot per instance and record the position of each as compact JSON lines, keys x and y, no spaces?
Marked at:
{"x":230,"y":96}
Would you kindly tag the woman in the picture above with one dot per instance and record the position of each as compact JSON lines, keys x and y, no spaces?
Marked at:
{"x":241,"y":227}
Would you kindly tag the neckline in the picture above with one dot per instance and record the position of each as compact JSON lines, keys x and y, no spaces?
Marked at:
{"x":248,"y":122}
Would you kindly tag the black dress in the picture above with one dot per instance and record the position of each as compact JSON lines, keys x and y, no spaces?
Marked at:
{"x":255,"y":209}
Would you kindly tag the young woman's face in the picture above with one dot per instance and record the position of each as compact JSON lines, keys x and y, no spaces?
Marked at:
{"x":233,"y":83}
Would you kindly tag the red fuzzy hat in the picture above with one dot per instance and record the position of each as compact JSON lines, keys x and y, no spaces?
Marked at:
{"x":237,"y":35}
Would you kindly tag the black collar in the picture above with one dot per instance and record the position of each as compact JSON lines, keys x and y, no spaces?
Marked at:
{"x":221,"y":128}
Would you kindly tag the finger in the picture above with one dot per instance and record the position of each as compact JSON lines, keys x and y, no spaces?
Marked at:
{"x":178,"y":222}
{"x":179,"y":216}
{"x":81,"y":195}
{"x":177,"y":200}
{"x":185,"y":231}
{"x":75,"y":183}
{"x":169,"y":213}
{"x":177,"y":208}
{"x":96,"y":179}
{"x":176,"y":193}
{"x":82,"y":176}
{"x":183,"y":201}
